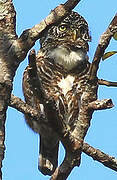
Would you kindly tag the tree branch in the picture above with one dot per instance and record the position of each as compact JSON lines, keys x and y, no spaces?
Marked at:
{"x":21,"y":106}
{"x":101,"y":104}
{"x":103,"y":44}
{"x":63,"y":171}
{"x":7,"y":36}
{"x":96,"y":154}
{"x":69,"y":5}
{"x":107,"y":83}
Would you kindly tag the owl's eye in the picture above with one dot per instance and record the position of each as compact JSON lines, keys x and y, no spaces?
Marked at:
{"x":62,"y":28}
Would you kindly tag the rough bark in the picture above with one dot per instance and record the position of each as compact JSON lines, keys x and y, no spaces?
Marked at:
{"x":7,"y":36}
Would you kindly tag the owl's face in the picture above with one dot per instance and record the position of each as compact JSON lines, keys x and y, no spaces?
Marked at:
{"x":67,"y":42}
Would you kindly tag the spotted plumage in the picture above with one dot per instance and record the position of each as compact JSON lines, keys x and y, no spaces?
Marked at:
{"x":62,"y":64}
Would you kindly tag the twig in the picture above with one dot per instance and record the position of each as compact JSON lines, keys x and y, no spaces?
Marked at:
{"x":107,"y":83}
{"x":103,"y":44}
{"x":101,"y":104}
{"x":21,"y":106}
{"x":69,"y":5}
{"x":96,"y":154}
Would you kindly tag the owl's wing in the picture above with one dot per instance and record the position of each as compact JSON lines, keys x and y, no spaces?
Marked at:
{"x":48,"y":153}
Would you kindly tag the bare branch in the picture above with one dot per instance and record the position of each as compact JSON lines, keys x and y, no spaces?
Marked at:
{"x":103,"y":44}
{"x":21,"y":106}
{"x":101,"y":104}
{"x":70,"y":4}
{"x":107,"y":83}
{"x":96,"y":154}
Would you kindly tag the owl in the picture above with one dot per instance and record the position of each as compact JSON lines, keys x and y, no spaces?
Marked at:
{"x":62,"y":63}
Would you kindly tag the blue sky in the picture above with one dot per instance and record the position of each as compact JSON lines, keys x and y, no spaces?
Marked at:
{"x":21,"y":157}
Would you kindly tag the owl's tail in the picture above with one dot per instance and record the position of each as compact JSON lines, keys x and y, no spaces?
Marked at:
{"x":48,"y":155}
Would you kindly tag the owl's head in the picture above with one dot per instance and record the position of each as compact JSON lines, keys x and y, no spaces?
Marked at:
{"x":72,"y":29}
{"x":67,"y":40}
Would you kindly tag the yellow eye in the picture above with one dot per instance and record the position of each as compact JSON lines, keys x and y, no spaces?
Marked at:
{"x":62,"y":28}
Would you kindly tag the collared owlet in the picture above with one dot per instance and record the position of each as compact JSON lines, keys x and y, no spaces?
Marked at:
{"x":64,"y":62}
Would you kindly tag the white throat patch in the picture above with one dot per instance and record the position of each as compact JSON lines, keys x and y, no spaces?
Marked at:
{"x":66,"y":84}
{"x":69,"y":59}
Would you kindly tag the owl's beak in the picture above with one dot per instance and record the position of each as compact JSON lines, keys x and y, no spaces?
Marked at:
{"x":74,"y":35}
